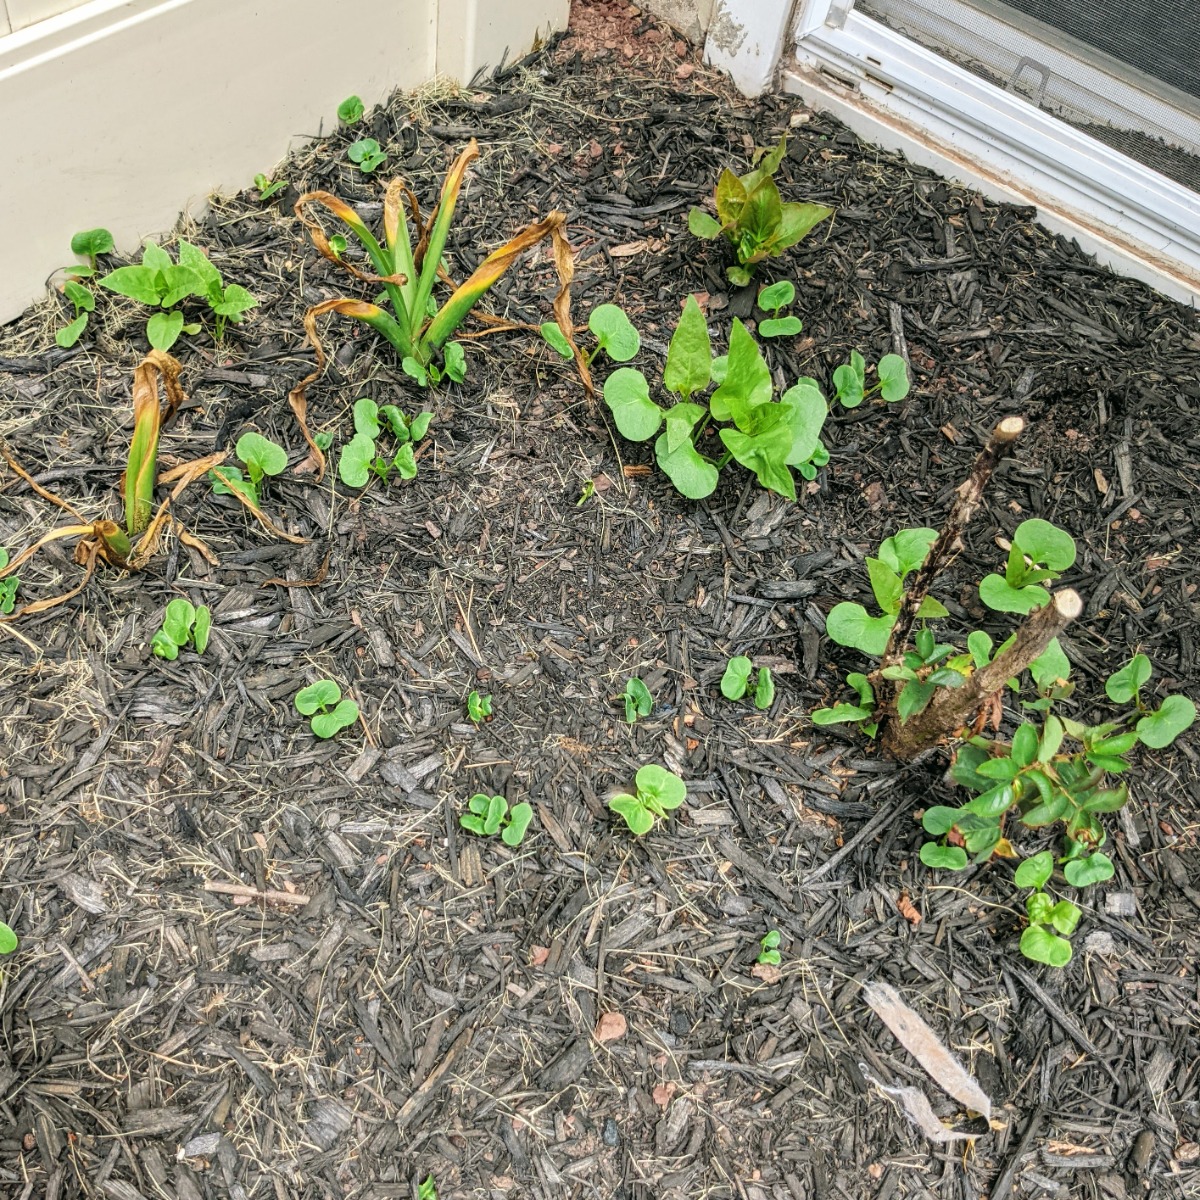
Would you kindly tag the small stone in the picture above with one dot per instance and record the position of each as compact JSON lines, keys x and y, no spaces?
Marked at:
{"x":1100,"y":942}
{"x":1187,"y":1152}
{"x":611,"y":1133}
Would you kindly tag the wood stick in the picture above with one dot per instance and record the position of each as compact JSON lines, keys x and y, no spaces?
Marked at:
{"x":244,"y":892}
{"x":952,"y":708}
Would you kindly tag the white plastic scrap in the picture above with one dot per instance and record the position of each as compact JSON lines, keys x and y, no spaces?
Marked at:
{"x":918,"y":1110}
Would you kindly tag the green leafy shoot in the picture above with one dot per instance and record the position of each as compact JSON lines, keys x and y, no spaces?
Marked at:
{"x":768,"y":952}
{"x":268,"y":187}
{"x":182,"y":625}
{"x":489,"y":815}
{"x":612,"y":329}
{"x":366,"y":154}
{"x":891,"y":380}
{"x":350,"y":111}
{"x":322,"y":702}
{"x":261,"y":456}
{"x":658,"y":792}
{"x":1040,"y":553}
{"x":427,"y":1189}
{"x":90,"y":243}
{"x":360,"y":459}
{"x":638,"y":701}
{"x":83,"y":302}
{"x":8,"y":939}
{"x":479,"y":708}
{"x":774,"y":299}
{"x":736,"y":680}
{"x":8,"y":586}
{"x":753,"y":217}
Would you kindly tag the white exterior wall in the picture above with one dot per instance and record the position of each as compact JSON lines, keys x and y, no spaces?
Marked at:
{"x":120,"y":113}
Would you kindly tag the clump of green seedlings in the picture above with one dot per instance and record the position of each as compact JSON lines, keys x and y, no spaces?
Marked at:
{"x":735,"y":683}
{"x":489,"y":815}
{"x":657,"y":792}
{"x":479,"y":708}
{"x":184,"y":624}
{"x":360,"y":459}
{"x":260,"y":456}
{"x":1055,"y":768}
{"x":267,"y":187}
{"x":754,"y":218}
{"x":768,"y":949}
{"x":323,"y":703}
{"x":8,"y":586}
{"x":774,"y":299}
{"x":638,"y":701}
{"x":612,"y":329}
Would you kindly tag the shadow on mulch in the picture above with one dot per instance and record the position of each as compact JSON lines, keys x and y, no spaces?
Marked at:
{"x":430,"y":1008}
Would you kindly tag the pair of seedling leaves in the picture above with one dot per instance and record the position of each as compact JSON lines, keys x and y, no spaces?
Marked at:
{"x":735,"y":683}
{"x":359,"y":458}
{"x":490,"y":815}
{"x":658,"y":792}
{"x":183,"y":624}
{"x":260,"y":456}
{"x":754,"y":218}
{"x":322,"y":702}
{"x":8,"y":586}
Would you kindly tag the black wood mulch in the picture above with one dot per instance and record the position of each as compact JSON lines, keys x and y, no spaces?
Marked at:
{"x":431,"y":1008}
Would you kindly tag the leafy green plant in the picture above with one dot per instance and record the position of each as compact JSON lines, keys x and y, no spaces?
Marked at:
{"x":754,"y":218}
{"x":268,"y":187}
{"x":8,"y":939}
{"x":360,"y":459}
{"x":84,"y":303}
{"x":8,"y":586}
{"x":1047,"y":919}
{"x":1040,"y":553}
{"x":658,"y":792}
{"x":638,"y":701}
{"x":891,"y":380}
{"x":612,"y":329}
{"x":90,"y":243}
{"x":183,"y":624}
{"x":775,"y":299}
{"x":769,"y":949}
{"x":479,"y":708}
{"x":735,"y":683}
{"x":322,"y":702}
{"x":350,"y":111}
{"x":260,"y":456}
{"x":490,"y":815}
{"x":408,"y":269}
{"x":366,"y":154}
{"x":767,"y":436}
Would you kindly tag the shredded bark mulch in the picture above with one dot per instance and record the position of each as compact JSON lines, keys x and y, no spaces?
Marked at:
{"x":581,"y":1015}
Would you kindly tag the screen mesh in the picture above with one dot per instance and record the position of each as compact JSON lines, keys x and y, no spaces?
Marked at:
{"x":1128,"y":76}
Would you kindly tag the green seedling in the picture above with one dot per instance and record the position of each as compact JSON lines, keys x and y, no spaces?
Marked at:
{"x":84,"y":303}
{"x":427,"y":1189}
{"x":8,"y":586}
{"x":350,"y":111}
{"x":612,"y":329}
{"x":90,"y":243}
{"x":360,"y":459}
{"x":479,"y":708}
{"x":8,"y":939}
{"x":658,"y":792}
{"x":182,"y":625}
{"x":337,"y":244}
{"x":754,"y":218}
{"x":638,"y":701}
{"x":1040,"y":553}
{"x":775,"y":299}
{"x":850,"y":380}
{"x":490,"y":815}
{"x":769,"y":949}
{"x":366,"y":154}
{"x":322,"y":701}
{"x":735,"y":683}
{"x":268,"y":187}
{"x":407,"y":262}
{"x":765,"y":435}
{"x":261,"y":457}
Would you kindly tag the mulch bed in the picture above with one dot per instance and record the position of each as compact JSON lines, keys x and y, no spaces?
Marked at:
{"x":431,"y":1008}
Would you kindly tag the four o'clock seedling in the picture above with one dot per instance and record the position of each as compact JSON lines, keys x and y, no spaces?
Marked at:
{"x":479,"y":708}
{"x":658,"y":792}
{"x":322,"y":701}
{"x":769,"y":949}
{"x":490,"y":815}
{"x":850,"y":380}
{"x":735,"y":683}
{"x":612,"y":329}
{"x":775,"y":299}
{"x":638,"y":701}
{"x":183,"y":625}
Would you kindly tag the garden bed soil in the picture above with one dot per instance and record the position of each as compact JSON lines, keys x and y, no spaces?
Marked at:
{"x":428,"y":1003}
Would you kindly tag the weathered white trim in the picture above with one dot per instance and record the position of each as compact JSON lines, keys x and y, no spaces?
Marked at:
{"x":745,"y":38}
{"x":898,"y":93}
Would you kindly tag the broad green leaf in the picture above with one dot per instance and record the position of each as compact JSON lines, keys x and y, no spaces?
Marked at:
{"x":947,"y":858}
{"x":768,"y":163}
{"x":8,"y":939}
{"x":796,"y":221}
{"x":885,"y":585}
{"x":350,"y":110}
{"x":764,"y":693}
{"x":1046,"y":813}
{"x":202,"y":629}
{"x":91,"y":242}
{"x":1038,"y":907}
{"x":893,"y":378}
{"x":1083,"y":872}
{"x":418,"y":427}
{"x":681,"y":420}
{"x":660,"y":786}
{"x":226,"y":480}
{"x":1064,"y":916}
{"x":366,"y":417}
{"x":494,"y":817}
{"x":847,"y":386}
{"x":68,"y":335}
{"x":364,"y":151}
{"x":637,"y":817}
{"x":739,"y":276}
{"x":805,"y":410}
{"x":354,"y":463}
{"x":163,"y":329}
{"x":1123,"y":685}
{"x":938,"y":820}
{"x":862,"y":685}
{"x":906,"y":549}
{"x":914,"y":698}
{"x":478,"y":803}
{"x":454,"y":361}
{"x":178,"y":621}
{"x":627,"y":395}
{"x":747,"y":382}
{"x":766,"y":455}
{"x":164,"y":646}
{"x":261,"y":455}
{"x":758,"y":225}
{"x":1025,"y":745}
{"x":693,"y":476}
{"x":472,"y":823}
{"x":405,"y":463}
{"x":316,"y":696}
{"x":689,"y":356}
{"x":771,"y":941}
{"x":196,"y":261}
{"x":178,"y":283}
{"x":776,"y":296}
{"x":736,"y":679}
{"x":1107,"y":800}
{"x":963,"y":770}
{"x":1120,"y":744}
{"x":555,"y":337}
{"x":638,"y":701}
{"x":326,"y":725}
{"x":235,"y":300}
{"x":993,"y":803}
{"x":155,"y":258}
{"x":998,"y":594}
{"x":771,"y":327}
{"x":1052,"y":739}
{"x":79,"y":296}
{"x":414,"y":370}
{"x":395,"y":422}
{"x":701,"y":225}
{"x":980,"y":646}
{"x":1051,"y":667}
{"x":850,"y":625}
{"x":1045,"y":543}
{"x":518,"y":822}
{"x":615,"y":334}
{"x":1042,"y":946}
{"x":840,"y":714}
{"x":1035,"y":871}
{"x":730,"y":197}
{"x":1162,"y":727}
